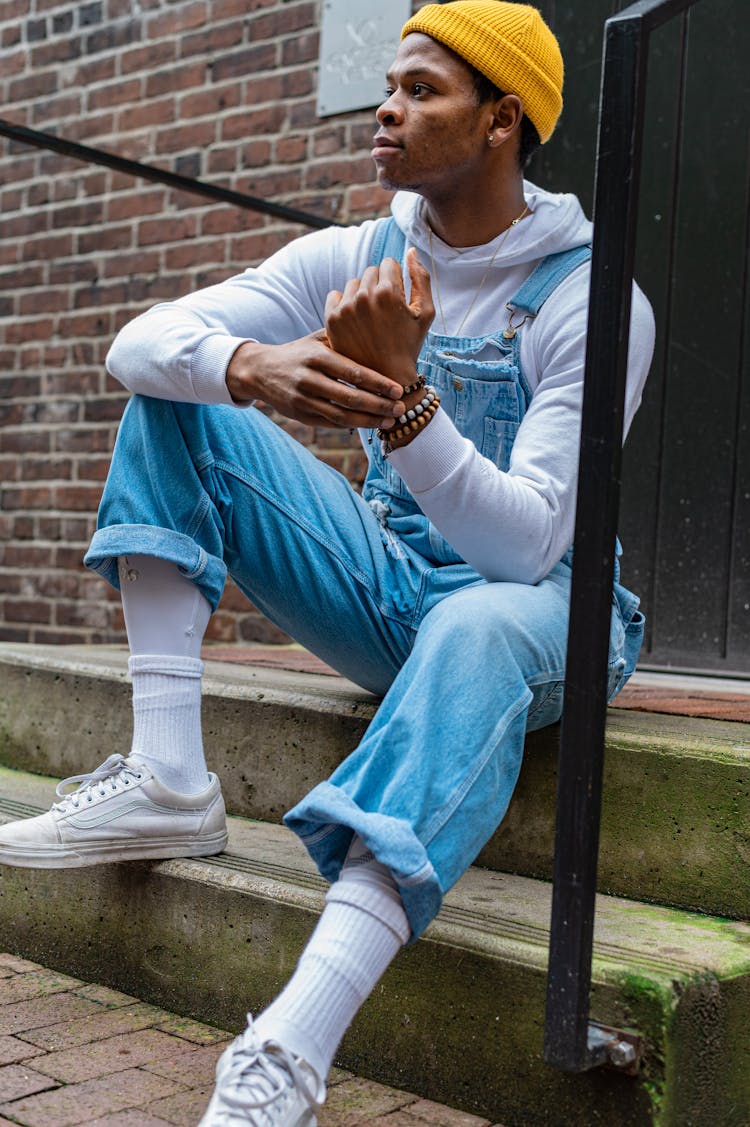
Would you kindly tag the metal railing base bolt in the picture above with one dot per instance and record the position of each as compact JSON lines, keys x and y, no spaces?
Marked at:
{"x":616,"y":1048}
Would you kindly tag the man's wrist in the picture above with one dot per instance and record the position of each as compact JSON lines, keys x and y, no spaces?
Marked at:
{"x":238,"y":376}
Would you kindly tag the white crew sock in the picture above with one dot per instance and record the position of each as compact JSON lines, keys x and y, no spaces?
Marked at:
{"x":166,"y":617}
{"x":362,"y":928}
{"x":167,"y":720}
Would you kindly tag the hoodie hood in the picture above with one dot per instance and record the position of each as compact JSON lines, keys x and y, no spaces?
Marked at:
{"x":557,"y":223}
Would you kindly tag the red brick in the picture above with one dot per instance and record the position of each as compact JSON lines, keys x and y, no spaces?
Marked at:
{"x":212,"y":101}
{"x":13,"y":9}
{"x":210,"y":39}
{"x":154,"y":112}
{"x":32,"y":86}
{"x":61,"y":51}
{"x":131,"y":1050}
{"x":27,"y":497}
{"x":13,"y":1050}
{"x":167,"y":230}
{"x":97,"y":70}
{"x":17,"y":1080}
{"x":149,"y":56}
{"x":290,"y":18}
{"x":255,"y":154}
{"x":225,"y":9}
{"x":82,"y":214}
{"x":23,"y":441}
{"x":42,"y":301}
{"x":329,"y":140}
{"x":26,"y":610}
{"x":62,"y":273}
{"x":76,"y":497}
{"x":263,"y":88}
{"x":31,"y":330}
{"x":219,"y":221}
{"x":248,"y":61}
{"x":103,"y":239}
{"x":168,"y":79}
{"x":222,"y":160}
{"x":80,"y":1102}
{"x":134,"y":1117}
{"x":256,"y":247}
{"x":257,"y":628}
{"x":115,"y":94}
{"x":303,"y":115}
{"x":179,"y":18}
{"x":290,"y":149}
{"x":31,"y":1016}
{"x":136,"y":262}
{"x":14,"y":63}
{"x":297,"y":83}
{"x":195,"y":135}
{"x":46,"y":469}
{"x":113,"y":36}
{"x":300,"y":49}
{"x":368,"y":201}
{"x":84,"y":324}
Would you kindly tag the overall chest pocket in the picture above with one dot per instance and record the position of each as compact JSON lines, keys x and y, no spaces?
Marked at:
{"x":487,"y":410}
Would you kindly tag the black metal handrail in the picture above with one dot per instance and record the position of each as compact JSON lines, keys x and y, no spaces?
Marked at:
{"x":215,"y":192}
{"x":572,"y":1043}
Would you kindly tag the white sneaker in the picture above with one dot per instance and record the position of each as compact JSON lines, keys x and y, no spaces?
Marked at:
{"x":262,"y":1084}
{"x":120,"y":812}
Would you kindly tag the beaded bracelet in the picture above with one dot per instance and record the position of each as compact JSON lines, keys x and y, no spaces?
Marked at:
{"x":419,"y":382}
{"x":412,"y":425}
{"x":418,"y":408}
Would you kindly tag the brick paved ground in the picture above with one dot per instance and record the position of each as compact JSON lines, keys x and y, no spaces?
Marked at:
{"x":72,"y":1052}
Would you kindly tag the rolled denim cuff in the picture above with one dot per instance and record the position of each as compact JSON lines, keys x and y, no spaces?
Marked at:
{"x":206,"y":571}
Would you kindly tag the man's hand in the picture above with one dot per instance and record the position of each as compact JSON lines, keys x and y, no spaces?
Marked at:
{"x":307,"y":381}
{"x":372,"y":323}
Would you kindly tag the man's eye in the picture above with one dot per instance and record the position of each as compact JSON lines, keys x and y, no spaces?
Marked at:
{"x":418,"y":89}
{"x":388,"y":91}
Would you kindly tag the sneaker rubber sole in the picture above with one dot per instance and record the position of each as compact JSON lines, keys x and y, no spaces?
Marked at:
{"x":80,"y":854}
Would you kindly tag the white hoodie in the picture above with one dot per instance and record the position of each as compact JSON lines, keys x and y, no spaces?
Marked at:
{"x":509,"y":526}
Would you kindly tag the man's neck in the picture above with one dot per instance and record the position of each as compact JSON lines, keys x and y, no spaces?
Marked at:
{"x":478,"y":217}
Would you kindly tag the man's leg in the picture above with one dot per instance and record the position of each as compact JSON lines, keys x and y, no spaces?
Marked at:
{"x":194,"y":492}
{"x":422,"y":793}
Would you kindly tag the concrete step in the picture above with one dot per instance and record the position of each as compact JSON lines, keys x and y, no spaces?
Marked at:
{"x":676,"y":810}
{"x":459,"y":1016}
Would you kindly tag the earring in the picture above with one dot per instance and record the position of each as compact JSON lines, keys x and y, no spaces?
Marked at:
{"x":490,"y":138}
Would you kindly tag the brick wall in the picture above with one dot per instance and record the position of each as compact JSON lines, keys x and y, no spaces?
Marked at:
{"x":222,"y":90}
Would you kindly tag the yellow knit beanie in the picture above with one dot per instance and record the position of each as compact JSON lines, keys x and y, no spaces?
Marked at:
{"x":508,"y":43}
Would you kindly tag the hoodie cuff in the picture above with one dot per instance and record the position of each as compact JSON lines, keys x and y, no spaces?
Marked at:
{"x":432,"y":456}
{"x":208,"y":369}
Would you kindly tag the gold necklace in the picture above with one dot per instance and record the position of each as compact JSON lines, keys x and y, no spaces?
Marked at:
{"x":497,"y":250}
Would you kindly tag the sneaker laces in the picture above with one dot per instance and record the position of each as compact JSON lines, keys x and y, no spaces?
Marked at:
{"x":107,"y":778}
{"x":259,"y":1075}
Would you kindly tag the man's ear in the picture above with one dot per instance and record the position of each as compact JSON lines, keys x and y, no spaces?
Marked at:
{"x":507,"y":113}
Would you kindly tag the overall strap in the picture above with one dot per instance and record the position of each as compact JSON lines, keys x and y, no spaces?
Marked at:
{"x":390,"y":242}
{"x":547,"y":277}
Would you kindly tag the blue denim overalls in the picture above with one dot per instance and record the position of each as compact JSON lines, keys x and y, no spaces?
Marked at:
{"x":466,"y":667}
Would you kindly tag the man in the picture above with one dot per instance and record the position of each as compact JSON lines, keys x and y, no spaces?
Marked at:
{"x":443,"y":587}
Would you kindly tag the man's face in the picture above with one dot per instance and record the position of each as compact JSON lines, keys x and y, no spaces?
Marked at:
{"x":432,"y":133}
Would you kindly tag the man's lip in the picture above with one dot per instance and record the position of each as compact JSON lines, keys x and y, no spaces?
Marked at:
{"x":381,"y":146}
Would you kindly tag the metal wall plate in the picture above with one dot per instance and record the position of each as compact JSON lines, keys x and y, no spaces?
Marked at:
{"x":357,"y":44}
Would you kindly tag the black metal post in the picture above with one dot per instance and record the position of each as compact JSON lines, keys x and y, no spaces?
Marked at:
{"x":568,"y":1044}
{"x":214,"y":192}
